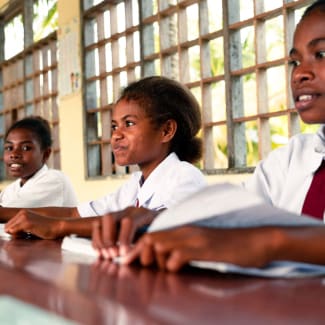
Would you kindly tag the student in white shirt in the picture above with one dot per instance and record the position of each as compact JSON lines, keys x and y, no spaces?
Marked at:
{"x":155,"y":123}
{"x":27,"y":147}
{"x":283,"y":179}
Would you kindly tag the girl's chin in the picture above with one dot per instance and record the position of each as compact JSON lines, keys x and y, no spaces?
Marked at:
{"x":14,"y":174}
{"x":312,"y":119}
{"x":312,"y":116}
{"x":122,"y":163}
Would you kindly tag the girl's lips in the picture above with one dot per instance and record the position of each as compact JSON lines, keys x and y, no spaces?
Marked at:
{"x":118,"y":149}
{"x":15,"y":167}
{"x":305,"y":101}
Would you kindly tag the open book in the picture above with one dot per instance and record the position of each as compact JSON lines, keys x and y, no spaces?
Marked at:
{"x":226,"y":206}
{"x":231,"y":206}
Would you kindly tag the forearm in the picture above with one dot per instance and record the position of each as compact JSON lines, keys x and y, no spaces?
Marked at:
{"x":7,"y":213}
{"x":56,"y":212}
{"x":304,"y":244}
{"x":78,"y":226}
{"x":256,"y":247}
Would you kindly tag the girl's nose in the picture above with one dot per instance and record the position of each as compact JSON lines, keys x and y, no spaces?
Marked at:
{"x":302,"y":73}
{"x":117,"y":134}
{"x":15,"y":153}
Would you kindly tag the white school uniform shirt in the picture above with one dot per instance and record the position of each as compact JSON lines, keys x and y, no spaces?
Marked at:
{"x":170,"y":182}
{"x":284,"y":177}
{"x":48,"y":187}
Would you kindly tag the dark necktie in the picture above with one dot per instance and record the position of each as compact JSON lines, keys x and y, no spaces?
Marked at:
{"x":314,"y":204}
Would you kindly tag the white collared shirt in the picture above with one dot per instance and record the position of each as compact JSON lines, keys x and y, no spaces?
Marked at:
{"x":170,"y":182}
{"x":48,"y":187}
{"x":284,"y":177}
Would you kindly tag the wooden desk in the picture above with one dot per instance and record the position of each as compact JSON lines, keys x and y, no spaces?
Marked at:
{"x":38,"y":272}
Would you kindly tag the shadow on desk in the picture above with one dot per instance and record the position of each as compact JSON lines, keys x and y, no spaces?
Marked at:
{"x":35,"y":271}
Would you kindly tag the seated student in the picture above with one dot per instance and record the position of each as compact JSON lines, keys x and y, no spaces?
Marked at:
{"x":284,"y":179}
{"x":154,"y":125}
{"x":27,"y":147}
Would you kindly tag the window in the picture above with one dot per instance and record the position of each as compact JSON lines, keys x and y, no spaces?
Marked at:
{"x":28,"y":74}
{"x":232,"y":54}
{"x":111,"y":60}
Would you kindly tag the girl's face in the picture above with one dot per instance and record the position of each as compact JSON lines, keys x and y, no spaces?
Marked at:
{"x":308,"y":73}
{"x":135,"y":139}
{"x":23,"y":155}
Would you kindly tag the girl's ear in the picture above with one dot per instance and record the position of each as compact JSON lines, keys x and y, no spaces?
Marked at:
{"x":46,"y":154}
{"x":168,"y":130}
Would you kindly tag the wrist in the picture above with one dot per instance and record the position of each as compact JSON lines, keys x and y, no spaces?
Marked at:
{"x":62,"y":226}
{"x":275,"y":243}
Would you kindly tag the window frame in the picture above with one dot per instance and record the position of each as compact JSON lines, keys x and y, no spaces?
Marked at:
{"x":163,"y":55}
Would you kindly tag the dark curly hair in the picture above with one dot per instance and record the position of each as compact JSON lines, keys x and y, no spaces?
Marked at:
{"x":38,"y":126}
{"x":164,"y":99}
{"x":317,"y":5}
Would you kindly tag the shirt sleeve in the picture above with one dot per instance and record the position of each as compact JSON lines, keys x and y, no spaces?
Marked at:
{"x":269,"y":176}
{"x":118,"y":200}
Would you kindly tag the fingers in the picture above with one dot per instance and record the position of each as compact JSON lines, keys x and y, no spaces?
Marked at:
{"x":147,"y":253}
{"x":143,"y":251}
{"x":18,"y":223}
{"x":177,"y":260}
{"x":127,"y":231}
{"x":169,"y":250}
{"x":104,"y":236}
{"x":108,"y":231}
{"x":112,"y":237}
{"x":113,"y":234}
{"x":96,"y":236}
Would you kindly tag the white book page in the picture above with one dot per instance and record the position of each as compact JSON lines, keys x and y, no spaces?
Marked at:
{"x":3,"y":234}
{"x":81,"y":246}
{"x":227,"y":205}
{"x":78,"y":245}
{"x":278,"y":269}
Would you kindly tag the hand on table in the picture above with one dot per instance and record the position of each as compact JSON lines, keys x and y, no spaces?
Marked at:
{"x":114,"y":233}
{"x":28,"y":222}
{"x":173,"y":249}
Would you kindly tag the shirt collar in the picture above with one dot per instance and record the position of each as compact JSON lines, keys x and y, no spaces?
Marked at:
{"x":148,"y":188}
{"x":319,"y":142}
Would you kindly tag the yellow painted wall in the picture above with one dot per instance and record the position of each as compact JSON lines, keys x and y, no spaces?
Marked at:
{"x":71,"y":114}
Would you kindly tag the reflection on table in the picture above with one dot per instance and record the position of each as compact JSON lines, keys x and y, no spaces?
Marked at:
{"x":88,"y":292}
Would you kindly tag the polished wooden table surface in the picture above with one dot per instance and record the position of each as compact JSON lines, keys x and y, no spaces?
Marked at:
{"x":39,"y":273}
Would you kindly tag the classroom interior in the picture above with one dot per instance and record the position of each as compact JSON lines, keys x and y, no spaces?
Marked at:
{"x":68,"y":60}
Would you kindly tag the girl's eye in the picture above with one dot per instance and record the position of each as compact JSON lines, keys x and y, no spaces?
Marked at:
{"x":320,"y":54}
{"x":294,"y":63}
{"x":8,"y":148}
{"x":129,"y":123}
{"x":26,"y":148}
{"x":114,"y":127}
